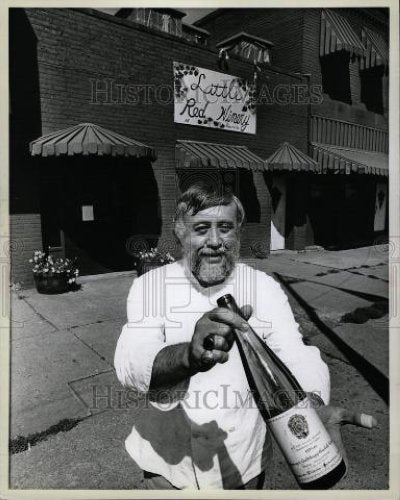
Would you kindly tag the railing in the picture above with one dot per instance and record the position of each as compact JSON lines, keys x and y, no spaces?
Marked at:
{"x":340,"y":133}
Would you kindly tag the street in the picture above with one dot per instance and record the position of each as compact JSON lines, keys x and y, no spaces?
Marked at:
{"x":70,"y":416}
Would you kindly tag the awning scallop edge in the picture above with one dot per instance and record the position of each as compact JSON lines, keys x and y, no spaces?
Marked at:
{"x":341,"y":160}
{"x":193,"y":154}
{"x":89,"y":139}
{"x":287,"y":157}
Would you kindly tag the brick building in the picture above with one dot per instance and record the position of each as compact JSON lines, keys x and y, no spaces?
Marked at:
{"x":345,"y":52}
{"x":97,"y":158}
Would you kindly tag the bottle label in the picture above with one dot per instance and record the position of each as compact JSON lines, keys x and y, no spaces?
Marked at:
{"x":306,"y":444}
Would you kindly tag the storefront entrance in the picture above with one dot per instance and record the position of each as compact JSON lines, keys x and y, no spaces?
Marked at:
{"x":94,"y":208}
{"x":341,"y":210}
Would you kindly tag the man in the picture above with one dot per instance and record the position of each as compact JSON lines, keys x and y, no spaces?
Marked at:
{"x":202,"y":428}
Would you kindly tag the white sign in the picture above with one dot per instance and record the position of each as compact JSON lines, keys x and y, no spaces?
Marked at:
{"x":210,"y":99}
{"x":87,"y":213}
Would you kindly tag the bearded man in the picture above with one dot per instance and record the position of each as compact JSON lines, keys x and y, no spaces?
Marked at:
{"x":202,"y":428}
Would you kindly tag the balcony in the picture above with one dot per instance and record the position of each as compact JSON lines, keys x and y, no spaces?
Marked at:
{"x":346,"y":134}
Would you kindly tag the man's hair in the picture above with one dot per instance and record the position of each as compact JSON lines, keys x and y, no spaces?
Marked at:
{"x":201,"y":196}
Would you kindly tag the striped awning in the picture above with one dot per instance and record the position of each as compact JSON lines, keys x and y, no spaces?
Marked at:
{"x":376,"y":49}
{"x":288,"y":157}
{"x":337,"y":34}
{"x":342,"y":160}
{"x":192,"y":154}
{"x":89,"y":139}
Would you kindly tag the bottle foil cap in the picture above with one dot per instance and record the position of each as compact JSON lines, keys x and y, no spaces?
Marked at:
{"x":366,"y":420}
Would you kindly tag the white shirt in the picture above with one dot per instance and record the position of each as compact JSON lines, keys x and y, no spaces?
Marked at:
{"x":211,"y":435}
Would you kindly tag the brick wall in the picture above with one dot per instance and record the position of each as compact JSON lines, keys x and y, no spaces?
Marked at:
{"x":75,"y":48}
{"x":25,"y":221}
{"x":103,"y":47}
{"x":356,"y":112}
{"x":270,"y":24}
{"x":25,"y":237}
{"x":296,"y":35}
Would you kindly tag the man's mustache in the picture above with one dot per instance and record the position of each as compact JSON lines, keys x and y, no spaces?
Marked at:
{"x":212,"y":254}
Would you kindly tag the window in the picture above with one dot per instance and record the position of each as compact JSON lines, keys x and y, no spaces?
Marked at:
{"x":372,"y":89}
{"x":336,"y":76}
{"x":373,"y":71}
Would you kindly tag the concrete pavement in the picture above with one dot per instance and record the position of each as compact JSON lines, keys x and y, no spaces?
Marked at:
{"x":68,"y":414}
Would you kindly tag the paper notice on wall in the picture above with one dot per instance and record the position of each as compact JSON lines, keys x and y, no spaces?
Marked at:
{"x":215,"y":100}
{"x":87,"y":213}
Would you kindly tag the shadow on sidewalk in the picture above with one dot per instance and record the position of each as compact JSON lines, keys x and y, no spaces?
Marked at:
{"x":378,"y":381}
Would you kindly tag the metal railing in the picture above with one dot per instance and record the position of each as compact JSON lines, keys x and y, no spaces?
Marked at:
{"x":353,"y":135}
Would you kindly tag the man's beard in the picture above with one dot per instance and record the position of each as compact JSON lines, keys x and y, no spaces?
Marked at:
{"x":210,"y":273}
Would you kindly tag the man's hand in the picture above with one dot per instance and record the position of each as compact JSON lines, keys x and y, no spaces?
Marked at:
{"x":176,"y":363}
{"x":219,"y":324}
{"x":334,"y":417}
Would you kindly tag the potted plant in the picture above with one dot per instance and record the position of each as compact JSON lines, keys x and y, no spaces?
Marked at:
{"x":150,"y":259}
{"x":53,"y":275}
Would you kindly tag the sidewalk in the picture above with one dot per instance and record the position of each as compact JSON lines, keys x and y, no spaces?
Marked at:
{"x":63,"y":405}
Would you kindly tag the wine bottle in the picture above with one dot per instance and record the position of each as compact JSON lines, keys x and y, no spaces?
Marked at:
{"x":288,"y":411}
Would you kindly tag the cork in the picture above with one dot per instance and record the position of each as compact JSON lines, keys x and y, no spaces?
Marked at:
{"x":366,"y":420}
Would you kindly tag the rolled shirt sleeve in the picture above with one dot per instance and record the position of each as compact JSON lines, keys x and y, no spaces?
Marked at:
{"x":285,"y":339}
{"x":141,"y":339}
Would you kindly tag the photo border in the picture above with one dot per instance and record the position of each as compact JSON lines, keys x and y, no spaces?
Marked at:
{"x":394,"y":259}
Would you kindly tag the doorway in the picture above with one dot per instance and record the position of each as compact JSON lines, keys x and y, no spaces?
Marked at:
{"x":341,"y":210}
{"x":381,"y":205}
{"x":92,"y":207}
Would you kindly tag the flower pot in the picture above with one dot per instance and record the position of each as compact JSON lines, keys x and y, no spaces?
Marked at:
{"x":51,"y":284}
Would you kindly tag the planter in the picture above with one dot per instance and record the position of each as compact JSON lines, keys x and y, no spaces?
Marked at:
{"x":51,"y":284}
